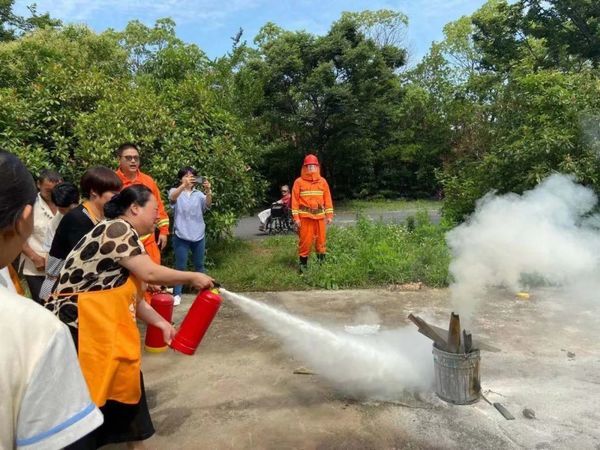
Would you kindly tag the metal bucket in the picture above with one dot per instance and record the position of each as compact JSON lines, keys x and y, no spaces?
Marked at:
{"x":457,"y":376}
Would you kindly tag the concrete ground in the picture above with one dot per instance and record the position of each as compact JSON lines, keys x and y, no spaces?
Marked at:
{"x":239,"y":390}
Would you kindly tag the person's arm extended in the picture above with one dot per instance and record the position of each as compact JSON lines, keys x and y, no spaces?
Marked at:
{"x":149,"y":315}
{"x":186,"y":182}
{"x":147,"y":270}
{"x":175,"y":193}
{"x":208,"y":193}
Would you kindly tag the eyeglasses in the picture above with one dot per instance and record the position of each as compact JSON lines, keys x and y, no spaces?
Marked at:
{"x":131,"y":158}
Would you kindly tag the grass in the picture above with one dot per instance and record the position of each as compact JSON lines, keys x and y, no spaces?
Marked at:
{"x":351,"y":206}
{"x":370,"y":254}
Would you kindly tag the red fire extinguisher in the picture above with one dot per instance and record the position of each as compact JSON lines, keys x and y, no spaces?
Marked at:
{"x":162,"y":302}
{"x":197,"y":321}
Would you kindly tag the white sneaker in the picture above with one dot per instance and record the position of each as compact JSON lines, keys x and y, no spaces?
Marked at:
{"x":177,"y":300}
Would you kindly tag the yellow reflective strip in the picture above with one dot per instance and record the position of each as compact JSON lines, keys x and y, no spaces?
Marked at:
{"x":310,"y":193}
{"x":163,"y":222}
{"x":144,"y":237}
{"x":329,"y":210}
{"x":307,"y":213}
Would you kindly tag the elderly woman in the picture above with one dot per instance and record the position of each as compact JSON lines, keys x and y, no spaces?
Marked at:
{"x":189,"y":205}
{"x":45,"y":401}
{"x":99,"y":296}
{"x":98,"y":185}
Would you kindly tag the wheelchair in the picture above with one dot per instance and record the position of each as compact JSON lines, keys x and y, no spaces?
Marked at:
{"x":280,"y":221}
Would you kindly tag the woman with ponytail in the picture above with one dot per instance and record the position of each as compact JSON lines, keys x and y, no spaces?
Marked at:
{"x":98,"y":296}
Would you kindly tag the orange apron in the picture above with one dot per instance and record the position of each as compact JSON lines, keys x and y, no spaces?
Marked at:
{"x":109,"y":343}
{"x":14,"y":276}
{"x":151,"y":247}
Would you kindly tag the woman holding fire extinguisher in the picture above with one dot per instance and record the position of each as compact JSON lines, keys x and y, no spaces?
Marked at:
{"x":98,"y":296}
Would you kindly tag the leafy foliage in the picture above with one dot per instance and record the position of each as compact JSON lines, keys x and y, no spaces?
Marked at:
{"x":70,"y":97}
{"x":519,"y":96}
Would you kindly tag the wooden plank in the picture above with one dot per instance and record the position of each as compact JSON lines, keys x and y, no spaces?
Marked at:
{"x":427,"y":331}
{"x":454,"y":334}
{"x":477,"y":344}
{"x":467,"y":342}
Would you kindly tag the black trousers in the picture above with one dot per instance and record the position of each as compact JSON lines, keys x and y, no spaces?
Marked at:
{"x":122,"y":423}
{"x":35,"y":284}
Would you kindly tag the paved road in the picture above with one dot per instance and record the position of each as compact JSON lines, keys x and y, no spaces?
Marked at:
{"x":247,"y":227}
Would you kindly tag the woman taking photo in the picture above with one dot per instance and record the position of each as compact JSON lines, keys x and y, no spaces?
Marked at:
{"x":99,"y":296}
{"x":189,"y":205}
{"x":45,"y":401}
{"x":98,"y":185}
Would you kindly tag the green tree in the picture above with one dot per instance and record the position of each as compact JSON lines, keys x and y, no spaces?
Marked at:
{"x":336,"y":95}
{"x":519,"y":112}
{"x":13,"y":25}
{"x":69,"y":97}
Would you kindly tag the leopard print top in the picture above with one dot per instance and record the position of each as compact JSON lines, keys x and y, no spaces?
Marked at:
{"x":93,"y":265}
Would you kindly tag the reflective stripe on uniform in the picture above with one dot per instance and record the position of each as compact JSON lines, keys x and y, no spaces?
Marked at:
{"x":308,"y":213}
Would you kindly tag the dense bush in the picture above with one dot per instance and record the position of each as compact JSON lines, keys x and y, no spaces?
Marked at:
{"x":70,"y":96}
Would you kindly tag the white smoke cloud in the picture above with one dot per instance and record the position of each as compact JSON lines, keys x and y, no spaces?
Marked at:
{"x":384,"y":366}
{"x":544,"y":235}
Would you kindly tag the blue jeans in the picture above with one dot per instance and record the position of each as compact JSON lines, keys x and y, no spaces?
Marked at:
{"x":181,"y":248}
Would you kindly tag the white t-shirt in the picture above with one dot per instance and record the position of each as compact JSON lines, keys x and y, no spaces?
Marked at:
{"x":44,"y":401}
{"x":6,"y":280}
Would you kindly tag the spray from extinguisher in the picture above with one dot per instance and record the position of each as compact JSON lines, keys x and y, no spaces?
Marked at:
{"x":196,"y":322}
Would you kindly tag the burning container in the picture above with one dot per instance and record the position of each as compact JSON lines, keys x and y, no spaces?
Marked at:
{"x":456,"y":376}
{"x":455,"y":361}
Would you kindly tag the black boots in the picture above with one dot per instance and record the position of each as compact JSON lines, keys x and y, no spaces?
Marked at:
{"x":303,"y":260}
{"x":303,"y":263}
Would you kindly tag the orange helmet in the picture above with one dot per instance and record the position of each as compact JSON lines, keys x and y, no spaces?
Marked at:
{"x":311,"y":159}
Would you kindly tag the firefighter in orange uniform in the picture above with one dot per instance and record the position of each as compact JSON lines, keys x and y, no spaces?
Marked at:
{"x":129,"y":173}
{"x":311,"y":209}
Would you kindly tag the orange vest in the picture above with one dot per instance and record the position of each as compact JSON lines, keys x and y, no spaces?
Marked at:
{"x":311,"y":197}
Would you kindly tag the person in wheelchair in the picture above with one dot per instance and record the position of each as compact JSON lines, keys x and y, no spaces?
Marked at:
{"x":280,"y":209}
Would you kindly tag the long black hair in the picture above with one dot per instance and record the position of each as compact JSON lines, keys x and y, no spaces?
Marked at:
{"x":17,"y":189}
{"x":137,"y":193}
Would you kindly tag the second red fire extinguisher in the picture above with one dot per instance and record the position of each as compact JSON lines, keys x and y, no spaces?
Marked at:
{"x":162,"y":302}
